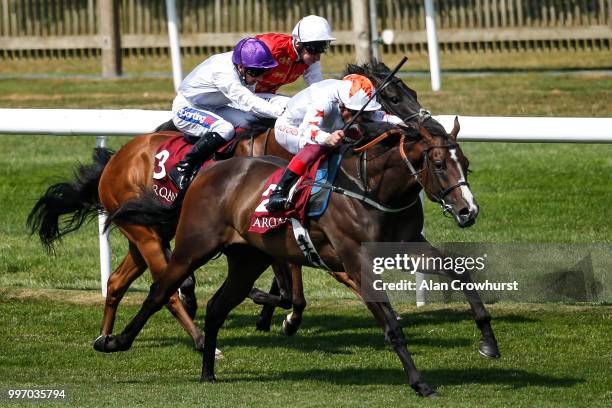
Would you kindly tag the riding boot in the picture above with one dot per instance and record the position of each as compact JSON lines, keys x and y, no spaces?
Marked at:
{"x":278,"y":198}
{"x":185,"y":170}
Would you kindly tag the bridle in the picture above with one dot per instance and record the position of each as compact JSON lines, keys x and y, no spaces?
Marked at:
{"x":437,"y":197}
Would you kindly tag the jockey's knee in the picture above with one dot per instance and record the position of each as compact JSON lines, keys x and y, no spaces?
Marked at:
{"x":224,"y":129}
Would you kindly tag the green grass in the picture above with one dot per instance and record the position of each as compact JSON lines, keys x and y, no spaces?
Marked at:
{"x":553,"y":354}
{"x":530,"y":60}
{"x":339,"y":359}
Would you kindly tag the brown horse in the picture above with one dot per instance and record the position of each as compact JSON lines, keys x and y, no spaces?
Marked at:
{"x":114,"y":179}
{"x":216,"y":213}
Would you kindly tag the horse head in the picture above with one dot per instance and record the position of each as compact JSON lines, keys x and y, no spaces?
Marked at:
{"x":395,"y":96}
{"x":444,"y":170}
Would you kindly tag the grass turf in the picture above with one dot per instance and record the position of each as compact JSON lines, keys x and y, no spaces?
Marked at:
{"x":552,"y":355}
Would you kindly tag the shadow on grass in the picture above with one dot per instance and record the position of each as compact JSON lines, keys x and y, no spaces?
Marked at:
{"x":438,"y":377}
{"x":333,"y":334}
{"x":328,"y":321}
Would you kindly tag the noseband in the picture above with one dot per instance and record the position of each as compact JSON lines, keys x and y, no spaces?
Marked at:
{"x":438,"y":197}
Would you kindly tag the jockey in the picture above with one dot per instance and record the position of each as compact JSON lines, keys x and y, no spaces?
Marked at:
{"x":297,"y":54}
{"x":218,"y":96}
{"x":312,"y":123}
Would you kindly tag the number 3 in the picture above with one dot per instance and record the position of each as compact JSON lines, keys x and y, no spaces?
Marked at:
{"x":162,"y":157}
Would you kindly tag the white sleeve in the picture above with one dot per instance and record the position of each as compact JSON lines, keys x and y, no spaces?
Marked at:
{"x":313,"y":74}
{"x":242,"y":98}
{"x":311,"y":124}
{"x":382,"y":116}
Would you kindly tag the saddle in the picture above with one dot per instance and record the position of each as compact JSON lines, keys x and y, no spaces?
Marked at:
{"x":309,"y":195}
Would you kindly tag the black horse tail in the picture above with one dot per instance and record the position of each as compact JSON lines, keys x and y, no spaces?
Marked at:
{"x":148,"y":211}
{"x":78,"y":198}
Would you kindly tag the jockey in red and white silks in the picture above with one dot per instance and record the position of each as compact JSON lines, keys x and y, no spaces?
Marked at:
{"x":313,"y":122}
{"x":314,"y":113}
{"x":297,"y":54}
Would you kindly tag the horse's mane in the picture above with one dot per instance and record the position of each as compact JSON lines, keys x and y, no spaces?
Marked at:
{"x":378,"y":71}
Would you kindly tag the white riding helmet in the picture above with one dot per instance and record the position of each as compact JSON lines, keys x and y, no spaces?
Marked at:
{"x":355,"y":91}
{"x":312,"y":28}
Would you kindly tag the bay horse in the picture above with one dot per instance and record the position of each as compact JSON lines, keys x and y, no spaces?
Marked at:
{"x":216,"y":213}
{"x":115,"y":178}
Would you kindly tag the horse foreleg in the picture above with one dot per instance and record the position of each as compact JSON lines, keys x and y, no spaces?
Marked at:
{"x":394,"y":336}
{"x":245,"y":265}
{"x":265,"y":317}
{"x":386,"y":317}
{"x":129,"y":269}
{"x":280,"y":295}
{"x":487,"y":346}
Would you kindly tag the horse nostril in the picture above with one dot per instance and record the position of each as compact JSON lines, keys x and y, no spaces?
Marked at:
{"x":464,"y":212}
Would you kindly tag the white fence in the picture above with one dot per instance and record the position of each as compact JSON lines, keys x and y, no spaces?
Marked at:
{"x":135,"y":122}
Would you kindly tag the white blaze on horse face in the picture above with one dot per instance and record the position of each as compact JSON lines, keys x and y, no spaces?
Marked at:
{"x":465,"y":190}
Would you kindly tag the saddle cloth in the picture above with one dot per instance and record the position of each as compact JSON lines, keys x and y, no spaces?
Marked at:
{"x":167,"y":156}
{"x":304,"y":196}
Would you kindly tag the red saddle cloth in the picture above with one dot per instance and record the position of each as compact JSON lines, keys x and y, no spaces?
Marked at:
{"x":262,"y":221}
{"x":166,"y":157}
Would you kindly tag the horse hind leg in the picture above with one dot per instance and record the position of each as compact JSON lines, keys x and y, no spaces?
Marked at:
{"x":245,"y":265}
{"x":132,"y":266}
{"x":162,"y":291}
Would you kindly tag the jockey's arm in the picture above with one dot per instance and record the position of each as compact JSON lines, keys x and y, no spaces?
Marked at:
{"x":244,"y":99}
{"x":313,"y":74}
{"x":311,"y":124}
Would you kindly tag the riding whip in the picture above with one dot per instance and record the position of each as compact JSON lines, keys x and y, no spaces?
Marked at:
{"x":378,"y":90}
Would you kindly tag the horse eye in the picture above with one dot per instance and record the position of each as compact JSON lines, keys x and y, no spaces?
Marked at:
{"x":439,"y":165}
{"x":395,"y":100}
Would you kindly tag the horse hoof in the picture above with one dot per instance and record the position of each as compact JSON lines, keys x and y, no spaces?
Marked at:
{"x":263,"y":325}
{"x":106,"y":344}
{"x":289,"y":329}
{"x":208,"y":378}
{"x":423,"y":390}
{"x":110,"y":344}
{"x":219,"y":354}
{"x":100,"y":343}
{"x":199,"y":343}
{"x":488,"y":348}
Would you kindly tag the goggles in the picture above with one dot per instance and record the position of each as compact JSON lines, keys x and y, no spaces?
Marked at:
{"x":316,"y":47}
{"x":256,"y":72}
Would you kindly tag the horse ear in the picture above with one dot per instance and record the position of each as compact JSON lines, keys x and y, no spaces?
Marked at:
{"x":425,"y":134}
{"x":455,"y":131}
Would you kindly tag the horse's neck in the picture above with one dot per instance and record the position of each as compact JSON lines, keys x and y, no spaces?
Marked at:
{"x":388,"y":179}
